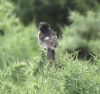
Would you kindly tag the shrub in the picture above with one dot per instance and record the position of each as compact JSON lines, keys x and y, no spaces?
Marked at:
{"x":18,"y":41}
{"x":83,"y":34}
{"x":54,"y":12}
{"x":72,"y":77}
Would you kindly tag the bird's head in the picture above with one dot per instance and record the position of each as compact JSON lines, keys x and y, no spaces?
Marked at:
{"x":43,"y":26}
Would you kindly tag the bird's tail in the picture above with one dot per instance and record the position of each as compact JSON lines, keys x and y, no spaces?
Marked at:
{"x":51,"y":54}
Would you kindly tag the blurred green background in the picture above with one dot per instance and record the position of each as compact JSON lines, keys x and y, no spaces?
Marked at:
{"x":77,"y":23}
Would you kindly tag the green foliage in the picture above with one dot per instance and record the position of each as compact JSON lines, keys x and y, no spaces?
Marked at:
{"x":18,"y":73}
{"x":52,"y":11}
{"x":83,"y":34}
{"x":17,"y":41}
{"x":72,"y":77}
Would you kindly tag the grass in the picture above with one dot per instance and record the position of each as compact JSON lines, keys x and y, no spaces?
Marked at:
{"x":65,"y":76}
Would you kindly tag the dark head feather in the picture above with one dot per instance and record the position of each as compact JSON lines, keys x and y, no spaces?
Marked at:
{"x":43,"y":26}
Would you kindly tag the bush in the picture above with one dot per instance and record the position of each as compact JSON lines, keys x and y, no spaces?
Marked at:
{"x":54,"y":12}
{"x":18,"y":41}
{"x":71,"y":77}
{"x":83,"y":34}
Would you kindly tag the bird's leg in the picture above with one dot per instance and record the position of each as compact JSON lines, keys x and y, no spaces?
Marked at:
{"x":48,"y":53}
{"x":53,"y":54}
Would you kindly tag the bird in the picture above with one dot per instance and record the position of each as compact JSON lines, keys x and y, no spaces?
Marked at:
{"x":47,"y":39}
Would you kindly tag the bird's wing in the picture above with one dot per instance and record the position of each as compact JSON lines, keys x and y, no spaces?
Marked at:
{"x":51,"y":42}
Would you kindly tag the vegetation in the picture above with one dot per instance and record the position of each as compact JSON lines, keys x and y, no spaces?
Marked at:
{"x":83,"y":34}
{"x":68,"y":76}
{"x":17,"y":40}
{"x":24,"y":70}
{"x":52,"y":11}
